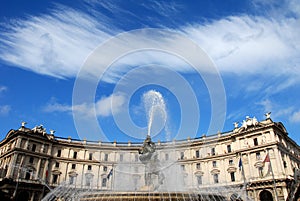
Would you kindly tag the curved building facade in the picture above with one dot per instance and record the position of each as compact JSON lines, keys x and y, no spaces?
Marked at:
{"x":258,"y":156}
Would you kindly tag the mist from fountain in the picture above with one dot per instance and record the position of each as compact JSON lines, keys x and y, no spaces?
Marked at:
{"x":129,"y":176}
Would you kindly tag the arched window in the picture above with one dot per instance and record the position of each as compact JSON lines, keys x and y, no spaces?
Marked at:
{"x":265,"y":196}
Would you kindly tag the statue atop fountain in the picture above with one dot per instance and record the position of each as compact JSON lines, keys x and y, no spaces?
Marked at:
{"x":148,"y":156}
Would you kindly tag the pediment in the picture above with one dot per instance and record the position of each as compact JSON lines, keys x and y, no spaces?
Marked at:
{"x":199,"y":173}
{"x":56,"y":172}
{"x":30,"y":167}
{"x":72,"y":174}
{"x":259,"y":164}
{"x":231,"y":169}
{"x":215,"y":171}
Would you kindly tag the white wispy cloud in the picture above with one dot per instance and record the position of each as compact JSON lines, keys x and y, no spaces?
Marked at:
{"x":295,"y":117}
{"x":163,"y":8}
{"x":58,"y":43}
{"x":246,"y":44}
{"x":3,"y":88}
{"x":280,"y":111}
{"x":54,"y":44}
{"x":102,"y":107}
{"x":4,"y":109}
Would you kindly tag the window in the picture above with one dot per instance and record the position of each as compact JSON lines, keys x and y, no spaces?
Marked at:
{"x":214,"y":164}
{"x":255,"y":141}
{"x":31,"y":159}
{"x":89,"y":167}
{"x":59,"y":153}
{"x":90,"y":156}
{"x":230,"y":162}
{"x":197,"y":154}
{"x":229,"y":148}
{"x":258,"y":156}
{"x":71,"y":181}
{"x":73,"y":166}
{"x":136,"y":158}
{"x":284,"y":164}
{"x":232,"y":176}
{"x":182,"y":167}
{"x":57,"y":164}
{"x":45,"y":148}
{"x":28,"y":174}
{"x":181,"y":155}
{"x":33,"y":148}
{"x":121,"y":157}
{"x":213,"y":151}
{"x":216,"y":178}
{"x":75,"y":154}
{"x":104,"y":181}
{"x":104,"y":168}
{"x":88,"y":179}
{"x":105,"y":157}
{"x":198,"y":166}
{"x":166,"y":157}
{"x":54,"y":179}
{"x":199,"y":180}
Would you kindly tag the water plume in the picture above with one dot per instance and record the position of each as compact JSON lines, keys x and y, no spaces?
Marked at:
{"x":155,"y":110}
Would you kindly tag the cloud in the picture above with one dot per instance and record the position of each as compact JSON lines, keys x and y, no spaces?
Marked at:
{"x":3,"y":88}
{"x":102,"y":107}
{"x":54,"y":44}
{"x":105,"y":104}
{"x":58,"y":43}
{"x":278,"y":110}
{"x":295,"y":117}
{"x":165,"y":9}
{"x":57,"y":107}
{"x":247,"y":44}
{"x":4,"y":109}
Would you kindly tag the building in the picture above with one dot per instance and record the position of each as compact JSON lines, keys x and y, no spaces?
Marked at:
{"x":258,"y":156}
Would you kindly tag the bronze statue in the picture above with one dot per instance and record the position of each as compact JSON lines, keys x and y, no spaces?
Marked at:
{"x":152,"y":164}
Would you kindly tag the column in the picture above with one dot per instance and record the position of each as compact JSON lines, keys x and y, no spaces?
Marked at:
{"x":49,"y":149}
{"x":288,"y":163}
{"x":274,"y":137}
{"x":279,"y":162}
{"x":69,"y":153}
{"x":32,"y":196}
{"x":192,"y":175}
{"x":12,"y":166}
{"x":98,"y":176}
{"x":250,"y":166}
{"x":82,"y":176}
{"x":26,"y":144}
{"x":47,"y":170}
{"x":66,"y":172}
{"x":76,"y":180}
{"x":21,"y":166}
{"x":18,"y":142}
{"x":38,"y":169}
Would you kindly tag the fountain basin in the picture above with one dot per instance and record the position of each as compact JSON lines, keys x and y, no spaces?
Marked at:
{"x":151,"y":196}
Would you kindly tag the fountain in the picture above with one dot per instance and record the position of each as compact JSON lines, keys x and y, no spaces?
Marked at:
{"x":158,"y":183}
{"x":152,"y":165}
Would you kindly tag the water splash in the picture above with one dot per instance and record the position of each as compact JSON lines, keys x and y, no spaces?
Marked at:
{"x":155,"y":110}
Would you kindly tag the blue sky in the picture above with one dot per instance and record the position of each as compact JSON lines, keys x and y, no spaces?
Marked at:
{"x":47,"y":48}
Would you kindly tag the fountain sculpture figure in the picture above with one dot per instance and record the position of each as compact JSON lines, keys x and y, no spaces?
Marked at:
{"x":148,"y":156}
